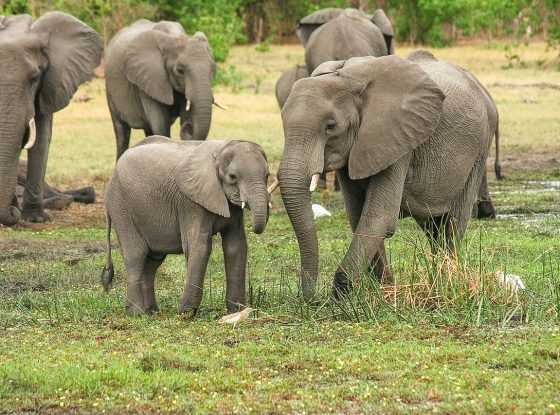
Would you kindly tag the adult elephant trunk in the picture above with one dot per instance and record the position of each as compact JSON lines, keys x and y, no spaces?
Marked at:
{"x":294,"y":176}
{"x":12,"y":131}
{"x":258,"y":202}
{"x":201,"y":100}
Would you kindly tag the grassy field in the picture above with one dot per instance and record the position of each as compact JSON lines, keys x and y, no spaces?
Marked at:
{"x":447,"y":338}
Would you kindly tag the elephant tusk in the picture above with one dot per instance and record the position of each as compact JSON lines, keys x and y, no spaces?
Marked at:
{"x":273,"y":186}
{"x":188,"y":106}
{"x":32,"y":135}
{"x":314,"y":181}
{"x":220,"y":106}
{"x":270,"y":205}
{"x":242,"y":205}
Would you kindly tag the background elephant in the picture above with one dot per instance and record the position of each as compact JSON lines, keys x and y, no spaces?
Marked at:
{"x":406,"y":137}
{"x":336,"y":34}
{"x":42,"y":64}
{"x":168,"y":197}
{"x":287,"y":80}
{"x":156,"y":73}
{"x":54,"y":198}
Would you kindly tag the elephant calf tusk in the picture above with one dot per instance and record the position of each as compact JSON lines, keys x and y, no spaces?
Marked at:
{"x":220,"y":106}
{"x":242,"y":205}
{"x":314,"y":181}
{"x":273,"y":186}
{"x":188,"y":106}
{"x":32,"y":135}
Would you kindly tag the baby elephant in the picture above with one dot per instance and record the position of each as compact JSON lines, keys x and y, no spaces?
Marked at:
{"x":169,"y":197}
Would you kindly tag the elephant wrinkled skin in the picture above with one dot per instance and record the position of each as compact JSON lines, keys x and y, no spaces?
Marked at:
{"x":168,"y":197}
{"x":407,"y":137}
{"x":156,"y":73}
{"x":42,"y":64}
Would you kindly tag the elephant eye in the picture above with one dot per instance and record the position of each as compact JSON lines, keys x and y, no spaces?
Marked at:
{"x":232,"y":178}
{"x":180,"y":70}
{"x":331,"y":125}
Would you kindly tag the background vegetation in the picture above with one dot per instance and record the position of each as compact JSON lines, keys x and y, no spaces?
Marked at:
{"x":229,"y":22}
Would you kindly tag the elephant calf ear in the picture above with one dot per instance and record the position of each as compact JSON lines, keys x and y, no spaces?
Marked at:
{"x":74,"y":51}
{"x":197,"y":178}
{"x":401,"y":110}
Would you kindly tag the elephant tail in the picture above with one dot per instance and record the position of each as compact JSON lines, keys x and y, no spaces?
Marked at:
{"x":108,"y":271}
{"x":497,"y":164}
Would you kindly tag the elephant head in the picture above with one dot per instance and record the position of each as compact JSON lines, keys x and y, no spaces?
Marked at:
{"x":312,"y":22}
{"x":166,"y":64}
{"x":361,"y":115}
{"x":217,"y":174}
{"x":42,"y":65}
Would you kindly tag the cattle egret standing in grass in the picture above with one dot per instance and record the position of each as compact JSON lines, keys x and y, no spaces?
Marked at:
{"x":238,"y":317}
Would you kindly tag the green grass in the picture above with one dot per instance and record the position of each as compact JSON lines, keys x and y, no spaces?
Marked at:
{"x":446,"y":339}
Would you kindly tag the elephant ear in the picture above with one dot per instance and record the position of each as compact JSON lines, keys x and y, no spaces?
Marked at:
{"x":15,"y":24}
{"x":381,"y":20}
{"x":145,"y":66}
{"x":401,"y":107}
{"x":327,"y":68}
{"x":74,"y":51}
{"x":197,"y":177}
{"x":311,"y":22}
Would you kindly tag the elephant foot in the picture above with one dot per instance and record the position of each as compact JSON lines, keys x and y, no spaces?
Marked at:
{"x":134,"y":310}
{"x":486,"y":210}
{"x":341,"y":286}
{"x":188,"y":312}
{"x":84,"y":195}
{"x":35,"y":215}
{"x":58,"y":202}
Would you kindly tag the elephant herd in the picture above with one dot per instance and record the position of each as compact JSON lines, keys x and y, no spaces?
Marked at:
{"x":405,"y":136}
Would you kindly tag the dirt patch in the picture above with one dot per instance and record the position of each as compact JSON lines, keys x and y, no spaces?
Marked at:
{"x":70,"y":252}
{"x":513,"y":160}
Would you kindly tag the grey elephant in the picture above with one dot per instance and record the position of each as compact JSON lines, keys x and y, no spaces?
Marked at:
{"x":42,"y":64}
{"x":54,"y":198}
{"x":406,"y":137}
{"x":333,"y":34}
{"x":336,"y":34}
{"x":287,"y":80}
{"x":168,"y":197}
{"x":155,"y":73}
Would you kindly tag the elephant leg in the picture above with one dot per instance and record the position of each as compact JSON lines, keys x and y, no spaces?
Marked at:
{"x":354,"y":197}
{"x":135,"y":252}
{"x":485,"y":208}
{"x":377,"y":222}
{"x":122,"y":133}
{"x":435,"y":230}
{"x":33,"y":209}
{"x":153,"y":262}
{"x":157,"y":115}
{"x":197,"y":245}
{"x":461,"y":208}
{"x":234,"y":244}
{"x":379,"y":266}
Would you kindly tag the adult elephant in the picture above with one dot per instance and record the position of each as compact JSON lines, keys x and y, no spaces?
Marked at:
{"x":155,"y":73}
{"x":42,"y":64}
{"x":336,"y":34}
{"x":287,"y":80}
{"x":406,"y":137}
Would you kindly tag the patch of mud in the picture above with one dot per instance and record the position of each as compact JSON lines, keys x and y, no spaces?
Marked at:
{"x":525,"y":162}
{"x":70,"y":252}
